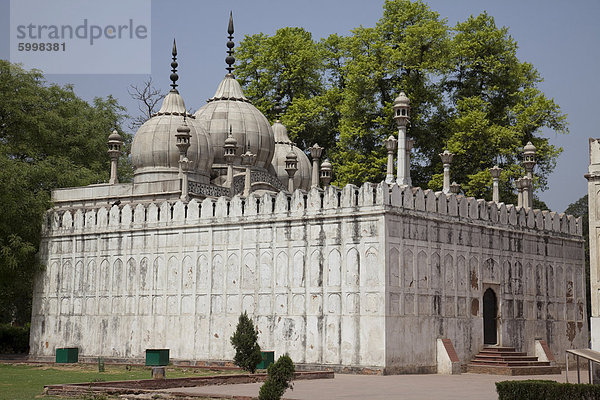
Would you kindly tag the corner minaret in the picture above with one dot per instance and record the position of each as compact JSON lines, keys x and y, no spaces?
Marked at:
{"x":291,"y":166}
{"x":326,"y":169}
{"x":446,"y":157}
{"x":115,"y":141}
{"x":529,"y":163}
{"x":315,"y":152}
{"x":183,"y":144}
{"x":495,"y":173}
{"x":402,"y":116}
{"x":391,"y":145}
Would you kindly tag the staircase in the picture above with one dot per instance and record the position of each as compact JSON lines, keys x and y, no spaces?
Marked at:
{"x":497,"y":360}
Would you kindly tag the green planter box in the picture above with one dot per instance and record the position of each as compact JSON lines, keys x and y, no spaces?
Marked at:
{"x":157,"y":357}
{"x":268,"y":358}
{"x":67,"y":355}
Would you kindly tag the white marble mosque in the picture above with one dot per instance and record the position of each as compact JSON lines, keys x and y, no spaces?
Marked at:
{"x":225,"y":214}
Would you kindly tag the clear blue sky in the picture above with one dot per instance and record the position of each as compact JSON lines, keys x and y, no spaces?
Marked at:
{"x":560,"y":38}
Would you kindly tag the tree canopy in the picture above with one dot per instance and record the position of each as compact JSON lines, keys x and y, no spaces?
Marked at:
{"x":469,"y":92}
{"x":49,"y":138}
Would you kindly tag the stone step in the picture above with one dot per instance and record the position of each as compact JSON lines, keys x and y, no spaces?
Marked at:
{"x":513,"y":371}
{"x":483,"y":356}
{"x":499,"y":349}
{"x":507,"y":352}
{"x":500,"y":360}
{"x":502,"y":355}
{"x":510,"y":363}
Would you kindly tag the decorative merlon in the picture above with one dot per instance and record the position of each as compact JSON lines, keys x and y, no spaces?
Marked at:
{"x":332,"y":200}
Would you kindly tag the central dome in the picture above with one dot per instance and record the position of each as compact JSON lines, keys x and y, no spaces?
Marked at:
{"x":230,"y":108}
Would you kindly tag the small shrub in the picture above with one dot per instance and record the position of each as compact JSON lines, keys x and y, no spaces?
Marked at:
{"x":543,"y":390}
{"x":279,"y":377}
{"x":14,"y":339}
{"x":245,"y":342}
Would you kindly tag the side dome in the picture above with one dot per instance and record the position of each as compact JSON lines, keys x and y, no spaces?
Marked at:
{"x":154,"y":151}
{"x":283,"y":145}
{"x":230,"y":108}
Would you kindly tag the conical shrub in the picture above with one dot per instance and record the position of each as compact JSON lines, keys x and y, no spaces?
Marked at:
{"x":245,"y":342}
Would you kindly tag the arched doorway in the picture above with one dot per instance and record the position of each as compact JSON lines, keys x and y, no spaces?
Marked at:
{"x":490,"y":312}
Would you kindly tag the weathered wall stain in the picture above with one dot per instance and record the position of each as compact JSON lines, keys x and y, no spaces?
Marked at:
{"x":571,"y":331}
{"x":474,"y":280}
{"x":474,"y":307}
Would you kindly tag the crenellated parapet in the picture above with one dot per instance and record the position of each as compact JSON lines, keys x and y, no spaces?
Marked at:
{"x":316,"y":202}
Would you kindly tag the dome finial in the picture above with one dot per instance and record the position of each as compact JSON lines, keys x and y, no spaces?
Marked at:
{"x":230,"y":59}
{"x":277,"y":98}
{"x":174,"y":77}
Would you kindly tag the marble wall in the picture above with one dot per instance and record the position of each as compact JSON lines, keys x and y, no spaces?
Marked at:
{"x":358,"y":277}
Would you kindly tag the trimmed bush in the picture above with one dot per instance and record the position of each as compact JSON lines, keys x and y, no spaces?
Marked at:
{"x":14,"y":339}
{"x":546,"y":390}
{"x":279,"y":376}
{"x":245,"y":342}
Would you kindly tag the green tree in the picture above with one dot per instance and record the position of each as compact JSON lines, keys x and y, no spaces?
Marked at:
{"x":279,"y":377}
{"x":245,"y":342}
{"x":496,"y":109}
{"x":468,"y":91}
{"x":49,"y":138}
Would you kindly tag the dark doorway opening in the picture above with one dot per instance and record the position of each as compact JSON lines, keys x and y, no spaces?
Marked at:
{"x":490,"y":312}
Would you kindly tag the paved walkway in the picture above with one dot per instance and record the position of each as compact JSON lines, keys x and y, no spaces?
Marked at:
{"x":405,"y":387}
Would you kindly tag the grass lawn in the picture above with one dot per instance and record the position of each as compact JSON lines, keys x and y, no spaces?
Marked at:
{"x":25,"y":382}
